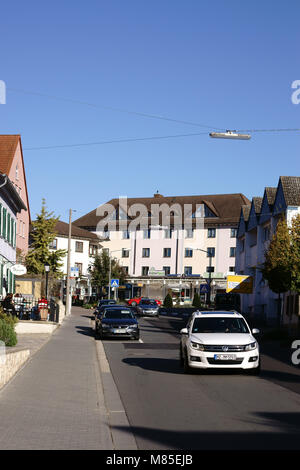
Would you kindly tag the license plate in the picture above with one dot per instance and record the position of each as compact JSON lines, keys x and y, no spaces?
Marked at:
{"x":225,"y":357}
{"x":120,"y":330}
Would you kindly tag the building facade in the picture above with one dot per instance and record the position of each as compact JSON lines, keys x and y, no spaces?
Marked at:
{"x":257,"y":226}
{"x":12,"y":165}
{"x":10,"y":206}
{"x":165,"y":243}
{"x":84,"y":246}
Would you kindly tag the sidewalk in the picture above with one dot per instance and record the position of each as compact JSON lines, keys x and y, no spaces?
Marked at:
{"x":56,"y":401}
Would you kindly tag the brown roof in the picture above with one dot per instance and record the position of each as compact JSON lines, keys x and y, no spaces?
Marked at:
{"x":257,"y":202}
{"x":226,"y":207}
{"x":8,"y":145}
{"x":291,"y":189}
{"x":270,"y":193}
{"x":62,"y":228}
{"x":246,"y":212}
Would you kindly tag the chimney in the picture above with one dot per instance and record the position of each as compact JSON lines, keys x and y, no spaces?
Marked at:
{"x":157,"y":194}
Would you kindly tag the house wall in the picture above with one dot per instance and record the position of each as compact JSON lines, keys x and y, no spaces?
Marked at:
{"x":7,"y":251}
{"x":17,"y":176}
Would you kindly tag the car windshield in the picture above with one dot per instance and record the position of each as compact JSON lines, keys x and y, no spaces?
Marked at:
{"x":219,"y":325}
{"x":118,"y":314}
{"x":149,"y":302}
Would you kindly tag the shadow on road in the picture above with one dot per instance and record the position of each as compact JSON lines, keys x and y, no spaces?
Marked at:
{"x":85,"y":330}
{"x":172,"y":366}
{"x":285,"y":435}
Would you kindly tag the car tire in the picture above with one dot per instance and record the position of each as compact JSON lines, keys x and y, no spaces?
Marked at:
{"x":186,"y":368}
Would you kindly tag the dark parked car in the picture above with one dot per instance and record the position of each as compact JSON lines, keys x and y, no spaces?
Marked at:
{"x":148,"y":307}
{"x":104,"y":303}
{"x":117,"y":321}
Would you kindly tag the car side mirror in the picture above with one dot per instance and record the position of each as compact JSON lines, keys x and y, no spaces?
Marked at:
{"x":184,"y":331}
{"x":255,"y":331}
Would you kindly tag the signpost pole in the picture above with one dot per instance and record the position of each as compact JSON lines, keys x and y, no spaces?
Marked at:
{"x":68,"y":303}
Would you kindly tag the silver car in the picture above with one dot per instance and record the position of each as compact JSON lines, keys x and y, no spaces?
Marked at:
{"x":148,"y":308}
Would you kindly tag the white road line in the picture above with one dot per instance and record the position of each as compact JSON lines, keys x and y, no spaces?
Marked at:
{"x":141,"y":341}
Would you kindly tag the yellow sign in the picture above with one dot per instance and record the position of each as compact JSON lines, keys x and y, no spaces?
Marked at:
{"x":240,"y":284}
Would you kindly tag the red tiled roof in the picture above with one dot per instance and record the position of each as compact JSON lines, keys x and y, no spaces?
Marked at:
{"x":8,"y":145}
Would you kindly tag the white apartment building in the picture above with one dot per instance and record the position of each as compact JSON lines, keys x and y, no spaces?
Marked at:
{"x":167,"y":243}
{"x":257,"y":225}
{"x":84,"y":246}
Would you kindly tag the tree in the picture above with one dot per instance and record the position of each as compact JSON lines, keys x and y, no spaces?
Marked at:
{"x":42,"y":234}
{"x":295,"y":254}
{"x":277,"y":265}
{"x":99,"y":270}
{"x":197,"y":301}
{"x":168,"y":302}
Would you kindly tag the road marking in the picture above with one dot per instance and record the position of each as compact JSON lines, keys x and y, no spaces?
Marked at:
{"x":141,"y":341}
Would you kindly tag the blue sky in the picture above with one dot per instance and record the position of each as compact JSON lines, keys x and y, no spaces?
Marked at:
{"x":227,"y":64}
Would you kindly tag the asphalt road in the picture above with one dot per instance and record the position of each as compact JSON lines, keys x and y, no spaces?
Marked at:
{"x":215,"y":410}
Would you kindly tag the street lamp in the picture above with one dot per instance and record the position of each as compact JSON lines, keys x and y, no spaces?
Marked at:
{"x":109,"y":274}
{"x":229,"y":135}
{"x":47,"y":269}
{"x":209,"y":271}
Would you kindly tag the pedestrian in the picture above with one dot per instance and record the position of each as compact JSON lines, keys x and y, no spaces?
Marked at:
{"x":8,"y":305}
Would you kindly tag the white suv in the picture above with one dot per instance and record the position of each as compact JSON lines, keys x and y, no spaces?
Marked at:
{"x":216,"y":339}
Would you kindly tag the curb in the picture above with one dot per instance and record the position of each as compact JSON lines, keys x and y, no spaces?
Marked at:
{"x":116,"y":413}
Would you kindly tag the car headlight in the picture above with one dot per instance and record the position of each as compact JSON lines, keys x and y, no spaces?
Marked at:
{"x":105,"y":326}
{"x":197,"y":346}
{"x":251,"y":346}
{"x":132,"y":326}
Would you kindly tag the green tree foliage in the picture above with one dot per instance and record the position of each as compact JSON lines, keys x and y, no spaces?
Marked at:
{"x":100,"y":270}
{"x":7,"y":329}
{"x":277,"y":265}
{"x":295,"y":254}
{"x":197,"y":301}
{"x":168,"y":302}
{"x":42,"y":234}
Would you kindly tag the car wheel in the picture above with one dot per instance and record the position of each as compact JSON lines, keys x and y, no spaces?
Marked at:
{"x":186,"y":367}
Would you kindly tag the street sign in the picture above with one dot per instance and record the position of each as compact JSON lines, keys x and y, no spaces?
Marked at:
{"x":114,"y":283}
{"x":18,"y":269}
{"x":240,"y":284}
{"x":74,"y":272}
{"x":204,"y":289}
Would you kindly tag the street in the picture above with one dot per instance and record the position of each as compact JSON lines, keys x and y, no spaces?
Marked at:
{"x":212,"y":410}
{"x":66,"y":398}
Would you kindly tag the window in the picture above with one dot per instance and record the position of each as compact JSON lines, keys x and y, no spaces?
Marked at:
{"x":210,"y":269}
{"x":231,"y":269}
{"x":126,"y":235}
{"x":53,"y":244}
{"x":167,"y":252}
{"x":106,"y":234}
{"x":188,"y":253}
{"x":168,"y":233}
{"x":189,"y":233}
{"x":211,"y":233}
{"x":232,"y":252}
{"x":242,"y":245}
{"x":167,"y":270}
{"x":146,"y":252}
{"x":125,"y":269}
{"x":211,"y":252}
{"x":125,"y":253}
{"x":233,"y":233}
{"x":79,"y":266}
{"x":17,"y":172}
{"x":266,"y":234}
{"x":79,"y":247}
{"x":147,"y":233}
{"x":106,"y":250}
{"x":145,"y":270}
{"x":188,"y":270}
{"x":93,"y":250}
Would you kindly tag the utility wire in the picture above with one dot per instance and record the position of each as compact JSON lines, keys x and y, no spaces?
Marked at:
{"x":120,"y":110}
{"x":116,"y":141}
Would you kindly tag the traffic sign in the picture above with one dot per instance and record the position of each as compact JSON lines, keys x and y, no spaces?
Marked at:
{"x":204,"y":288}
{"x":114,"y":283}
